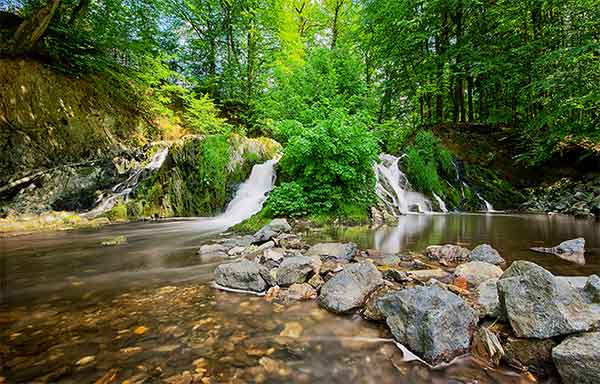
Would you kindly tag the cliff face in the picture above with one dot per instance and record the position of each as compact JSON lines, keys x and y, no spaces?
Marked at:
{"x":49,"y":119}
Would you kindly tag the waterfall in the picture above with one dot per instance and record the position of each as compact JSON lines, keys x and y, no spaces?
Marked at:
{"x":394,"y":190}
{"x":488,"y":207}
{"x":122,"y":190}
{"x":440,"y":202}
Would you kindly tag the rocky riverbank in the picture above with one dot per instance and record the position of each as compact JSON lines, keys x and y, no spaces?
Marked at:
{"x":441,"y":305}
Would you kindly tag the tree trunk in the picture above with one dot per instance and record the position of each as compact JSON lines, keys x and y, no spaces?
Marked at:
{"x":334,"y":27}
{"x":470,"y":96}
{"x":33,"y":29}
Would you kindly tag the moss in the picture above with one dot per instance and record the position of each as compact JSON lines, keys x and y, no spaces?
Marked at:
{"x":492,"y":187}
{"x":117,"y":213}
{"x":254,"y":223}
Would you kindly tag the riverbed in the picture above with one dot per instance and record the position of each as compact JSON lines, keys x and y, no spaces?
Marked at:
{"x":75,"y":311}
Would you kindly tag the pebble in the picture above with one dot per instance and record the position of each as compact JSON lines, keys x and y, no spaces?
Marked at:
{"x":85,"y":360}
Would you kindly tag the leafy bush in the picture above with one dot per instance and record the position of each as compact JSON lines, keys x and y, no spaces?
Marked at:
{"x":393,"y":135}
{"x":285,"y":129}
{"x":327,"y":167}
{"x":201,"y":116}
{"x":425,"y":161}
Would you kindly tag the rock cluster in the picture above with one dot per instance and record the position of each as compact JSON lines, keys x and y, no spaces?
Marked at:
{"x":541,"y":323}
{"x":569,"y":197}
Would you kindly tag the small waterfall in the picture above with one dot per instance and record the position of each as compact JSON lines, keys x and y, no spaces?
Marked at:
{"x":440,"y":202}
{"x":394,"y":190}
{"x":121,"y":191}
{"x":488,"y":207}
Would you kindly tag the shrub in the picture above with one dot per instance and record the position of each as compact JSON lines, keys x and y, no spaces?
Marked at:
{"x":287,"y":199}
{"x":201,"y":116}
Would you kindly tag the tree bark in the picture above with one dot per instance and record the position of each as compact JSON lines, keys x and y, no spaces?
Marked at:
{"x":33,"y":29}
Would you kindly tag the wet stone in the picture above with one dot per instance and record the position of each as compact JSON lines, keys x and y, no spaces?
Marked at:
{"x":343,"y":252}
{"x":487,"y":254}
{"x":243,"y":275}
{"x":447,"y":254}
{"x":296,"y":270}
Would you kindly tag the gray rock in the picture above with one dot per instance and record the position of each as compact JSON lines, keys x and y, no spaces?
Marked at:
{"x":430,"y":320}
{"x":533,"y":355}
{"x":210,"y":253}
{"x":295,"y":269}
{"x":245,"y":275}
{"x":486,"y":253}
{"x":428,"y":274}
{"x":396,"y":276}
{"x":348,"y":289}
{"x":592,"y":288}
{"x":301,"y":292}
{"x":275,"y":227}
{"x":578,"y":359}
{"x":316,"y":282}
{"x":371,"y":311}
{"x":333,"y":251}
{"x":570,"y":250}
{"x":476,"y":272}
{"x":447,"y":254}
{"x":271,"y":257}
{"x":488,"y":301}
{"x":388,"y":261}
{"x":538,"y":305}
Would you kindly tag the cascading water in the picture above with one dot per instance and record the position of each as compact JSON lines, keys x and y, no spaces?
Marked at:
{"x":394,"y":190}
{"x":122,"y":190}
{"x":488,"y":206}
{"x":440,"y":202}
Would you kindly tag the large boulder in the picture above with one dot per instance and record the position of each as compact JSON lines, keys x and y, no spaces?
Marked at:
{"x":447,"y":254}
{"x":430,"y":320}
{"x":244,"y":275}
{"x":487,"y":300}
{"x":487,"y":254}
{"x":333,"y":251}
{"x":538,"y":305}
{"x":592,"y":288}
{"x":578,"y":359}
{"x":348,"y":289}
{"x":275,"y":227}
{"x":296,"y":270}
{"x":476,"y":272}
{"x":271,"y":257}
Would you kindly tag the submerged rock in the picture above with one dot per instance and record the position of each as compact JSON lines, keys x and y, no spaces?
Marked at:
{"x":296,"y":269}
{"x":570,"y":250}
{"x":301,"y":292}
{"x":333,"y":251}
{"x":487,"y":254}
{"x":539,"y":305}
{"x":447,"y":254}
{"x":578,"y":359}
{"x":430,"y":320}
{"x":348,"y":289}
{"x":245,"y":275}
{"x":275,"y":227}
{"x":476,"y":272}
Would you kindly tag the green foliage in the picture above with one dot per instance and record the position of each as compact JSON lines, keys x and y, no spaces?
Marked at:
{"x":393,"y":135}
{"x":201,"y":116}
{"x":117,"y":213}
{"x":254,"y":223}
{"x":426,"y":161}
{"x":327,"y":167}
{"x":285,"y":129}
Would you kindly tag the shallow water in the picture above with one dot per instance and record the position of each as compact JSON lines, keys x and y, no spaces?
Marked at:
{"x":75,"y":311}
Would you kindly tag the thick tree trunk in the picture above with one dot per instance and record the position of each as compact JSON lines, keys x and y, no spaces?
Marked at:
{"x":33,"y":29}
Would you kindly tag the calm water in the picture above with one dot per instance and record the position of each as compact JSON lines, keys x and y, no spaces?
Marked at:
{"x":74,"y":311}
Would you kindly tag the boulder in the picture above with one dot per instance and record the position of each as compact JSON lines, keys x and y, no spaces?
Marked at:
{"x":476,"y":272}
{"x":316,"y":281}
{"x":578,"y":359}
{"x":447,"y":254}
{"x":396,"y":276}
{"x":487,"y":254}
{"x":592,"y":288}
{"x":570,"y":250}
{"x":538,"y":305}
{"x":275,"y":227}
{"x":428,"y":274}
{"x":245,"y":275}
{"x":532,"y":354}
{"x":430,"y":320}
{"x":301,"y":292}
{"x":371,"y":310}
{"x":290,"y":241}
{"x":296,"y":269}
{"x":271,"y":258}
{"x":333,"y":251}
{"x":348,"y":289}
{"x":210,"y":253}
{"x":388,"y":261}
{"x":488,"y":302}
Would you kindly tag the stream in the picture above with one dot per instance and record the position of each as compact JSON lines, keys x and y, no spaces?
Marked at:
{"x":74,"y":311}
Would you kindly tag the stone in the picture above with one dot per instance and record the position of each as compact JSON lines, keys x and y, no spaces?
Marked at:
{"x":333,"y":251}
{"x":244,"y":275}
{"x":389,"y":261}
{"x":301,"y":292}
{"x":296,"y":269}
{"x":538,"y":305}
{"x":430,"y":320}
{"x":578,"y":359}
{"x":236,"y":251}
{"x":271,"y":258}
{"x":487,"y":254}
{"x":447,"y":254}
{"x":292,"y":329}
{"x":570,"y":250}
{"x":275,"y":227}
{"x":316,"y":281}
{"x":476,"y":272}
{"x":592,"y":288}
{"x":371,"y":310}
{"x":212,"y":251}
{"x":428,"y":274}
{"x":85,"y":360}
{"x":396,"y":276}
{"x":290,"y":241}
{"x":348,"y":289}
{"x":532,"y":354}
{"x":488,"y":302}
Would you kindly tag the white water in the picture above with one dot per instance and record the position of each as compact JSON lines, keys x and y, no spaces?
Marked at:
{"x":440,"y":202}
{"x":395,"y":191}
{"x":248,"y":199}
{"x":122,"y":190}
{"x":488,"y":206}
